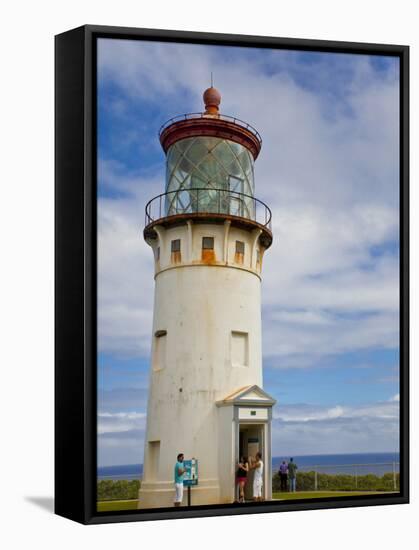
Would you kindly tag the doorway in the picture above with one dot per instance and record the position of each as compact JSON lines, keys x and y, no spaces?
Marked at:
{"x":250,"y":443}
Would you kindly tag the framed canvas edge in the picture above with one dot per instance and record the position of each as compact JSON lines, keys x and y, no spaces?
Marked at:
{"x":70,"y":183}
{"x":107,"y":31}
{"x":80,"y":379}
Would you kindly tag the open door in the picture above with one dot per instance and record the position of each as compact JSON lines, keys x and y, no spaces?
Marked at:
{"x":250,"y":443}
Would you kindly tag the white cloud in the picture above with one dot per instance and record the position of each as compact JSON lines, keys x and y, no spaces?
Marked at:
{"x":304,"y":413}
{"x":395,"y":398}
{"x":285,"y":342}
{"x":308,"y":413}
{"x":114,"y":423}
{"x":308,"y":429}
{"x":121,"y":437}
{"x":125,"y":268}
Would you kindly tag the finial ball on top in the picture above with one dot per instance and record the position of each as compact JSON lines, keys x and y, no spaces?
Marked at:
{"x":212,"y":100}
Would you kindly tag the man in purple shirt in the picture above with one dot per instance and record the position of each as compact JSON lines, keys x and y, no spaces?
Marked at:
{"x":283,"y":475}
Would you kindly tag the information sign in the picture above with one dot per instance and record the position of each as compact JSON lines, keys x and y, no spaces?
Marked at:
{"x":190,"y":477}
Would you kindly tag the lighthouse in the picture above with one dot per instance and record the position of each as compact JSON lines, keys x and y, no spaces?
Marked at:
{"x":208,"y":233}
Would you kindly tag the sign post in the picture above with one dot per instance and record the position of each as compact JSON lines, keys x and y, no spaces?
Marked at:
{"x":190,"y":476}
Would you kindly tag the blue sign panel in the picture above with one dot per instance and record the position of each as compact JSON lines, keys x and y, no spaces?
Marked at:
{"x":190,"y":476}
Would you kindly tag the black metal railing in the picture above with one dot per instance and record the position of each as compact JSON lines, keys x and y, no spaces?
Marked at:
{"x":208,"y":200}
{"x":227,"y":118}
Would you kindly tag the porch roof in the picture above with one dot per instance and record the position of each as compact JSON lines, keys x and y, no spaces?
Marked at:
{"x":248,"y":395}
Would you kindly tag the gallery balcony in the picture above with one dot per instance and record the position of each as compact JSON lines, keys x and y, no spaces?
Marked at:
{"x":208,"y":205}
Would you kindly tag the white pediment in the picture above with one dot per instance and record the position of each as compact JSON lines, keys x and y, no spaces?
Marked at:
{"x":254,"y":395}
{"x":248,"y":395}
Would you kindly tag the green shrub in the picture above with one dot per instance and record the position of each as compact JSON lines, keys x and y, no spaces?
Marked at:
{"x":108,"y":489}
{"x":341,"y":482}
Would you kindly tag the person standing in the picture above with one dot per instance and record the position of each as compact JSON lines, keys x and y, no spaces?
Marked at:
{"x":292,"y":475}
{"x":179,"y":475}
{"x":258,"y":478}
{"x":241,"y":476}
{"x":283,"y":475}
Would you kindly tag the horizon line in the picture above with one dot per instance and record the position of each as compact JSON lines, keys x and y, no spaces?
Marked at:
{"x":280,"y":456}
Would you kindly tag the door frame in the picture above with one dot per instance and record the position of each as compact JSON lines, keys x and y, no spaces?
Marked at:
{"x":264,"y":426}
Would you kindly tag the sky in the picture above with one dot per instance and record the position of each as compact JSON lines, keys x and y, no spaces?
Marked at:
{"x":329,"y":171}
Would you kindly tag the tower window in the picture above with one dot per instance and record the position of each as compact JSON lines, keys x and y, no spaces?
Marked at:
{"x":239,"y":349}
{"x":175,"y":257}
{"x":157,"y":253}
{"x":159,"y":357}
{"x":208,"y":243}
{"x":239,"y":255}
{"x":153,"y":459}
{"x":208,"y":254}
{"x":176,"y":245}
{"x":239,"y":247}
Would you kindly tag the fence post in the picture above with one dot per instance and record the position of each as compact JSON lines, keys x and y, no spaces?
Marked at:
{"x":315,"y":480}
{"x":394,"y":476}
{"x":356,"y":477}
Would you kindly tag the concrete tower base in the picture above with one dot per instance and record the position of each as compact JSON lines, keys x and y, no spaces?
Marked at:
{"x":161,"y":494}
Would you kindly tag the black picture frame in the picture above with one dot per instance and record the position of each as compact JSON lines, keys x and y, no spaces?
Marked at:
{"x":75,"y":272}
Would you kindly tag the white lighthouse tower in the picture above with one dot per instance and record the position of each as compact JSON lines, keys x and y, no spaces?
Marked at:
{"x":208,"y":233}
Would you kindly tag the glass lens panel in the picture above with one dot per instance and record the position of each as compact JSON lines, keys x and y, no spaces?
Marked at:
{"x":216,"y":172}
{"x":223,"y":153}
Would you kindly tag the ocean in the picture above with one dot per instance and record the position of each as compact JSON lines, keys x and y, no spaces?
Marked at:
{"x":360,"y":464}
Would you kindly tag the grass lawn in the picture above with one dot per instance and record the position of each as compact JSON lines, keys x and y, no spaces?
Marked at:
{"x":322,"y":494}
{"x":114,"y":505}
